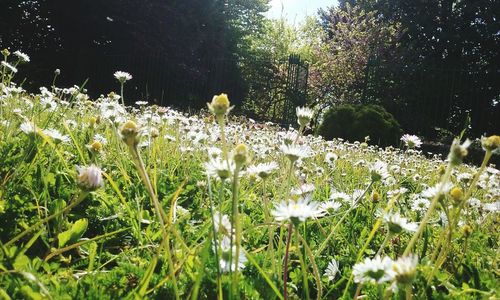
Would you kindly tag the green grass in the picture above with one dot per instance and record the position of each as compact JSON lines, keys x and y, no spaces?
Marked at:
{"x":124,"y":253}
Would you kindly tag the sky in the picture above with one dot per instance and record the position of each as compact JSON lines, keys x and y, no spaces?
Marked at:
{"x":296,"y":10}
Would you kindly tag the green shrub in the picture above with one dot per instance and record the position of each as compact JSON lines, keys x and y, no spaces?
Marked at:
{"x":354,"y":122}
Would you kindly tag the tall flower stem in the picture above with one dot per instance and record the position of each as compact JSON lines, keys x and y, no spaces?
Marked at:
{"x":334,"y":228}
{"x":236,"y":225}
{"x":216,"y":239}
{"x":267,"y":220}
{"x":302,"y":266}
{"x":159,"y":213}
{"x":287,"y":189}
{"x":435,"y":200}
{"x":285,"y":262}
{"x":454,"y":221}
{"x":121,"y":93}
{"x":221,"y":122}
{"x":74,"y":203}
{"x":386,"y":239}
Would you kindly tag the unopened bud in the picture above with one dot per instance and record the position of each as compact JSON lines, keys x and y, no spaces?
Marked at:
{"x":220,"y":105}
{"x":130,"y":133}
{"x":96,"y":146}
{"x":457,"y":194}
{"x":240,"y":154}
{"x":466,"y":230}
{"x":491,"y":143}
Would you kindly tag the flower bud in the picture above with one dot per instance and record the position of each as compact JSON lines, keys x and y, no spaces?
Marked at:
{"x":375,"y":197}
{"x":96,"y":146}
{"x":240,"y":155}
{"x":154,"y":133}
{"x":491,"y":143}
{"x":57,"y":72}
{"x":89,"y":178}
{"x":458,"y":152}
{"x":92,"y":121}
{"x":220,"y":105}
{"x":457,"y":195}
{"x":441,"y":170}
{"x":130,"y":133}
{"x":5,"y":52}
{"x":466,"y":230}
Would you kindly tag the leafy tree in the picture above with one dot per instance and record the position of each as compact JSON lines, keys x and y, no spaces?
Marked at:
{"x":447,"y":63}
{"x":180,"y":52}
{"x":352,"y":38}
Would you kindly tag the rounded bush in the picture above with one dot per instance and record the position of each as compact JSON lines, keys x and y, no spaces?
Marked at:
{"x":354,"y":122}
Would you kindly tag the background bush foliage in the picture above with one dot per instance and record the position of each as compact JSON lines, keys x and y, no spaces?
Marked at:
{"x":354,"y":122}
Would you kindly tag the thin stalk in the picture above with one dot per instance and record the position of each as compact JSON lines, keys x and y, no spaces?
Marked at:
{"x":121,"y":94}
{"x":386,"y":239}
{"x":429,"y":212}
{"x":325,"y":242}
{"x":285,"y":263}
{"x":147,"y":182}
{"x":302,"y":266}
{"x":216,"y":240}
{"x":237,"y":227}
{"x":409,"y":295}
{"x":267,"y":219}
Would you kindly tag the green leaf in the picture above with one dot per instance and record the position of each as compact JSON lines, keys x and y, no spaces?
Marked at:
{"x":21,"y":262}
{"x":73,"y":234}
{"x":30,"y":293}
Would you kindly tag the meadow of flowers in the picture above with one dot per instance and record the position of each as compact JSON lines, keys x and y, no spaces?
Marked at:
{"x":103,"y":201}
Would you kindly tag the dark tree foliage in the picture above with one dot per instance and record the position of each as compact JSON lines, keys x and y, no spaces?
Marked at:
{"x":179,"y":52}
{"x":446,"y":67}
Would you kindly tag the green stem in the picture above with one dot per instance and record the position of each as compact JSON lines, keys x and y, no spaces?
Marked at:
{"x":267,"y":220}
{"x":215,"y":238}
{"x":429,"y":212}
{"x":237,"y":227}
{"x":387,"y":237}
{"x":285,"y":263}
{"x":121,"y":94}
{"x":147,"y":182}
{"x":409,"y":294}
{"x":302,"y":266}
{"x":325,"y":242}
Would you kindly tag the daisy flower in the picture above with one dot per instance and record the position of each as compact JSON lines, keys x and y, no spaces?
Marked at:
{"x":304,"y":189}
{"x":89,"y":178}
{"x":405,"y":269}
{"x":294,"y":152}
{"x":420,"y":204}
{"x":263,"y":170}
{"x":9,"y":66}
{"x":122,"y":76}
{"x":220,"y":168}
{"x":22,"y":56}
{"x":439,"y":188}
{"x":375,"y":270}
{"x":28,"y":127}
{"x":228,"y":257}
{"x":57,"y":136}
{"x":378,"y":171}
{"x":411,"y":141}
{"x":332,"y":269}
{"x":296,"y":211}
{"x":397,"y":224}
{"x":304,"y":115}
